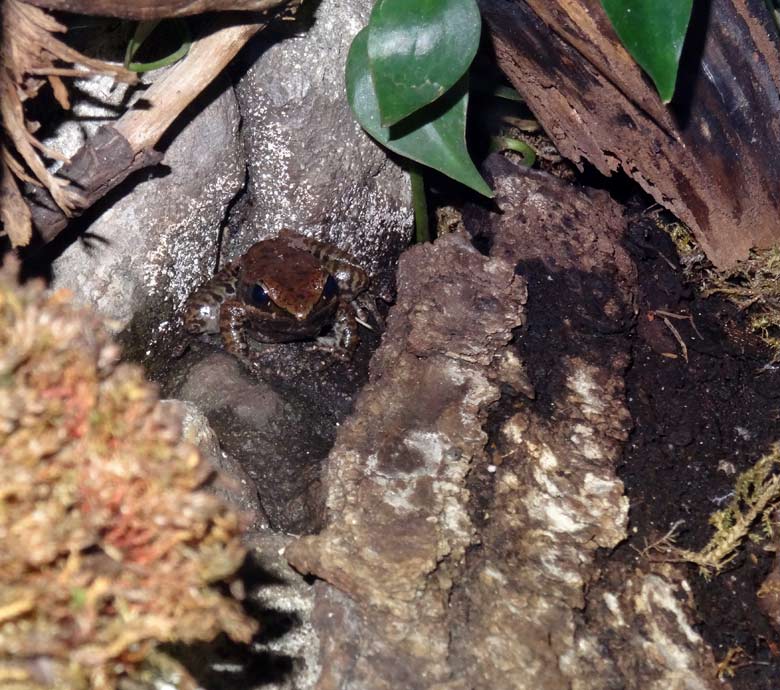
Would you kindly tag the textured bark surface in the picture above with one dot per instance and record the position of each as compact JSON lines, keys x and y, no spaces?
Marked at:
{"x":451,"y":562}
{"x":399,"y":522}
{"x":150,"y":9}
{"x":711,"y":157}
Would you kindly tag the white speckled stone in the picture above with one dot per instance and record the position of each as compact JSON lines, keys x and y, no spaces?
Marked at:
{"x":156,"y":241}
{"x":310,"y":165}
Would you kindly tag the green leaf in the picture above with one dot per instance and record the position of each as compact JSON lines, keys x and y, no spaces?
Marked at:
{"x":653,"y":31}
{"x":418,"y":49}
{"x":434,"y":136}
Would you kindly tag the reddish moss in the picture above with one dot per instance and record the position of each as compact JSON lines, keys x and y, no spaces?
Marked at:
{"x":109,"y":545}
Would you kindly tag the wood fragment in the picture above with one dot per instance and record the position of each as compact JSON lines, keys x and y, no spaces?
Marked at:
{"x":101,"y":164}
{"x":152,"y":9}
{"x":117,"y":151}
{"x":677,"y":337}
{"x":712,"y":157}
{"x":32,"y":56}
{"x":173,"y":92}
{"x":14,"y":212}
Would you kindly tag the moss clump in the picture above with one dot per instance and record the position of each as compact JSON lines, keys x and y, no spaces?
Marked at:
{"x":685,"y":243}
{"x":754,"y":286}
{"x":109,"y":545}
{"x":756,"y":494}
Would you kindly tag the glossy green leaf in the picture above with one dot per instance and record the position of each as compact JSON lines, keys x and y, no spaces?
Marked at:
{"x":653,"y":31}
{"x":418,"y":49}
{"x":434,"y":136}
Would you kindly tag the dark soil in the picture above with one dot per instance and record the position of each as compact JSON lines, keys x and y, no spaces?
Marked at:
{"x":697,"y":423}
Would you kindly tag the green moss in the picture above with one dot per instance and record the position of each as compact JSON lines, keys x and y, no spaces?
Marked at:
{"x":756,"y":494}
{"x":682,"y":237}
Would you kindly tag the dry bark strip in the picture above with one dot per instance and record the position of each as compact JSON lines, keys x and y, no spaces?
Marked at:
{"x":712,"y":157}
{"x":150,"y":9}
{"x":446,"y":565}
{"x":399,"y":524}
{"x":118,"y":150}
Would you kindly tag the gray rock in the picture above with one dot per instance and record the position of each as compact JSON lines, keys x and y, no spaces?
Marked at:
{"x":310,"y":166}
{"x":231,"y":482}
{"x":284,"y":655}
{"x":278,"y":435}
{"x":288,"y":600}
{"x":154,"y":243}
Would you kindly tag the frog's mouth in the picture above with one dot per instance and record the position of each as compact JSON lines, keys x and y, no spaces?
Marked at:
{"x":273,"y":324}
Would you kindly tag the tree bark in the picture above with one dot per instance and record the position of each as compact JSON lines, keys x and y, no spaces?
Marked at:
{"x":711,"y":157}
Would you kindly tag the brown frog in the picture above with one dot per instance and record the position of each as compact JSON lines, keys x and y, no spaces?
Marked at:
{"x":285,"y":288}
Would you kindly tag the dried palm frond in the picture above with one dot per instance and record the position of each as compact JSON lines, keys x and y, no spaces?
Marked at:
{"x":30,"y":57}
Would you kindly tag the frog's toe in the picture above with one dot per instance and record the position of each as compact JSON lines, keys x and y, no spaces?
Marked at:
{"x":334,"y":346}
{"x":366,"y":309}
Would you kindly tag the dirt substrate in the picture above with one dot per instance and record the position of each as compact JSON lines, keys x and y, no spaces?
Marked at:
{"x":697,"y":424}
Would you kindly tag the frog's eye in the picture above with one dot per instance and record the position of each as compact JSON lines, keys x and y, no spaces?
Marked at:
{"x":259,"y":296}
{"x":331,"y":287}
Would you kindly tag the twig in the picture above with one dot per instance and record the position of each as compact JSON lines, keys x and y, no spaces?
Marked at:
{"x":682,"y":317}
{"x":420,"y":204}
{"x":677,"y":337}
{"x":663,"y":544}
{"x":118,"y":150}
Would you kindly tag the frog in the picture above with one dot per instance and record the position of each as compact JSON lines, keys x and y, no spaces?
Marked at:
{"x":283,"y":289}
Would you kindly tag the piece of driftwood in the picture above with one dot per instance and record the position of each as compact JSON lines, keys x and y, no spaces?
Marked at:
{"x":151,"y":9}
{"x":128,"y":145}
{"x":472,"y":486}
{"x":712,"y":157}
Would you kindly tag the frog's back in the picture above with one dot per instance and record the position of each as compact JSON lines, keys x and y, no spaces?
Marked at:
{"x":293,"y":278}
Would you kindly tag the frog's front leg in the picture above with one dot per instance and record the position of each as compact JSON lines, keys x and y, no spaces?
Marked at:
{"x":343,"y":339}
{"x":233,"y":316}
{"x":232,"y":328}
{"x":202,"y":308}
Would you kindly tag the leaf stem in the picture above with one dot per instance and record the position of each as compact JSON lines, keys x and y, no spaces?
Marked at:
{"x":507,"y":93}
{"x":516,"y":145}
{"x":143,"y":31}
{"x":419,"y":203}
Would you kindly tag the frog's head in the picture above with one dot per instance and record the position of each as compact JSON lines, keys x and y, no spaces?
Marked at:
{"x":278,"y":276}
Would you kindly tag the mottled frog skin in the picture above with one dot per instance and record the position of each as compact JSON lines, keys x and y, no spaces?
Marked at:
{"x":285,"y":288}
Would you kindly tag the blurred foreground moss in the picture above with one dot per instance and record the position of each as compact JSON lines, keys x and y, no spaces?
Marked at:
{"x":109,"y":547}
